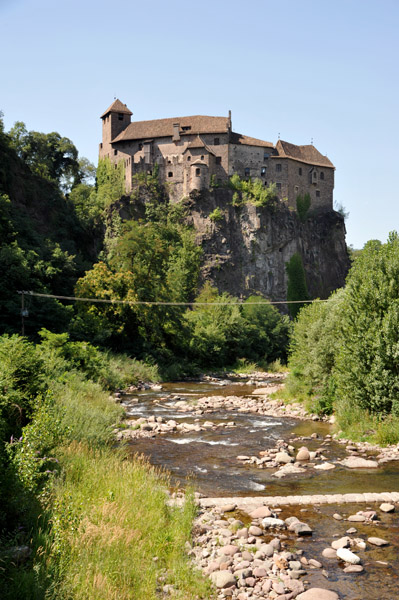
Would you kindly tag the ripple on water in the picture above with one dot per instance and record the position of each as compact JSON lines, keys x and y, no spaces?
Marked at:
{"x":201,"y":441}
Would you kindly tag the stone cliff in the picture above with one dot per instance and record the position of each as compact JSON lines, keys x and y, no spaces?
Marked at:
{"x":247,"y":249}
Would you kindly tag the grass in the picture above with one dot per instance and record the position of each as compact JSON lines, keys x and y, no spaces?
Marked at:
{"x":96,"y":519}
{"x":114,"y":535}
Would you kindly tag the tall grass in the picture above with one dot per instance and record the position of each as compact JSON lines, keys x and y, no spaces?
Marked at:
{"x":96,"y":519}
{"x":114,"y":535}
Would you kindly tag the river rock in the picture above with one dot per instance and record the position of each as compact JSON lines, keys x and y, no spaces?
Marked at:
{"x":300,"y":528}
{"x":337,"y":517}
{"x":376,"y":541}
{"x":260,"y":513}
{"x":356,"y":462}
{"x":303,"y":454}
{"x":343,"y":542}
{"x":387,"y":508}
{"x":329,"y":553}
{"x":357,"y":519}
{"x":254,"y":530}
{"x":353,"y":569}
{"x":326,"y":466}
{"x":283,"y":457}
{"x":223,"y":579}
{"x":228,"y":507}
{"x":229,"y":550}
{"x":348,"y":556}
{"x":272,"y":522}
{"x":318,"y":594}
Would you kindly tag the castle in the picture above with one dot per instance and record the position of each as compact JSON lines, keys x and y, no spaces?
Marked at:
{"x":193,"y":153}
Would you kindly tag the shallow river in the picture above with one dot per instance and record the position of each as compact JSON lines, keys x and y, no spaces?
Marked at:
{"x":209,"y":459}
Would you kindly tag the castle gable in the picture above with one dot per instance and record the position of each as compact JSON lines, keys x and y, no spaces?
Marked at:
{"x":306,"y":154}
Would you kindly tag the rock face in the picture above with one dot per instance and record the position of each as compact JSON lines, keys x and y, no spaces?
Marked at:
{"x":247,"y":250}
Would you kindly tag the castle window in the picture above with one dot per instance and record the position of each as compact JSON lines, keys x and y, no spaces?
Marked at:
{"x":197,"y":172}
{"x":216,"y":142}
{"x":296,"y":189}
{"x":170,"y":174}
{"x":321,"y":174}
{"x":218,"y":160}
{"x":314,"y":175}
{"x":317,"y":193}
{"x":120,"y":116}
{"x":115,"y":152}
{"x":186,"y":128}
{"x":202,"y":157}
{"x":140,"y":146}
{"x":247,"y":171}
{"x":263,"y":171}
{"x":300,"y":171}
{"x":278,"y":186}
{"x":266,"y":155}
{"x":278,"y":168}
{"x":188,"y":157}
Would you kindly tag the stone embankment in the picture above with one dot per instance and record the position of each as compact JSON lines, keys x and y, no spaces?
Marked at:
{"x":250,"y":552}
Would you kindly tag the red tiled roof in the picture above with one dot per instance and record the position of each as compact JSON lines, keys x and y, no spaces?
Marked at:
{"x":117,"y":106}
{"x":238,"y":138}
{"x":164,"y":127}
{"x":306,"y":154}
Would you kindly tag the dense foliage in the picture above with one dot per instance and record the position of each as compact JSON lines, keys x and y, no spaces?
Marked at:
{"x":248,"y":191}
{"x":345,"y":351}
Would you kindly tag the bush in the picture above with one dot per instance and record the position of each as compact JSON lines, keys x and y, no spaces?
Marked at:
{"x":216,"y":215}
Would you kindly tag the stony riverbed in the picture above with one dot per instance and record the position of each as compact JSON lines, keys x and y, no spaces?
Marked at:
{"x":234,"y":440}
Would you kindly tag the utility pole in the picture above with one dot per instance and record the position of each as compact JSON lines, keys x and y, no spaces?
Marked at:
{"x":24,"y":312}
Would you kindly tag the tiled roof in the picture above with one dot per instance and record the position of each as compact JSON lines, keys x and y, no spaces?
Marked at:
{"x":198,"y":142}
{"x":117,"y":106}
{"x":238,"y":138}
{"x":164,"y":127}
{"x":306,"y":154}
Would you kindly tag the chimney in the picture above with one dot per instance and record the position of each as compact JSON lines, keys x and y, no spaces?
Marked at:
{"x":176,"y":132}
{"x":229,"y":122}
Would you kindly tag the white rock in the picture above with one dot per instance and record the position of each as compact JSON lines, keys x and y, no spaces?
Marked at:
{"x":356,"y":462}
{"x":348,"y":556}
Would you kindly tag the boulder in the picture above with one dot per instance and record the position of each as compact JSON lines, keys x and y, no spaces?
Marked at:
{"x":387,"y":508}
{"x":260,"y":513}
{"x":353,"y":569}
{"x":348,"y":556}
{"x":356,"y":462}
{"x":300,"y":528}
{"x":303,"y":454}
{"x":326,"y":466}
{"x":376,"y":541}
{"x":329,"y":553}
{"x":272,"y":522}
{"x":223,"y":579}
{"x":254,"y":530}
{"x":283,"y":457}
{"x":343,"y":542}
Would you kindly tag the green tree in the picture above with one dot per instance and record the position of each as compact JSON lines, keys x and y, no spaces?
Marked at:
{"x":367,"y":366}
{"x":48,"y":155}
{"x":296,"y":288}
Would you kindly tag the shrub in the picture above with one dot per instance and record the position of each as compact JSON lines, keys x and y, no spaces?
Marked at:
{"x":303,"y":205}
{"x":216,"y":215}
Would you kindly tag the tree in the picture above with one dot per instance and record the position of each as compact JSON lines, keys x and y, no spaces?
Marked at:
{"x":48,"y":155}
{"x":296,"y":288}
{"x":367,"y":366}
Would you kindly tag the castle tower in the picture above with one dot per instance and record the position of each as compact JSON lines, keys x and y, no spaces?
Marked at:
{"x":115,"y":119}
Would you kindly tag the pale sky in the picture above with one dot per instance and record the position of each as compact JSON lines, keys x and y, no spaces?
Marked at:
{"x":310,"y":69}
